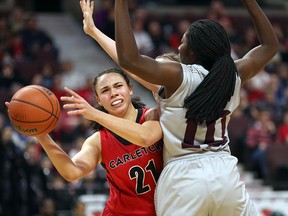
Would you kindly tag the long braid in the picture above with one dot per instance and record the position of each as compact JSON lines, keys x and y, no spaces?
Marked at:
{"x":210,"y":43}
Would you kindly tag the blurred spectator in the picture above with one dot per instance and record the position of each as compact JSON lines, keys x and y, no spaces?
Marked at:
{"x":79,"y":209}
{"x":180,"y":28}
{"x":270,"y":104}
{"x":47,"y":168}
{"x":216,"y":10}
{"x":257,"y":85}
{"x":104,"y":18}
{"x":57,"y":87}
{"x":37,"y":79}
{"x":5,"y":35}
{"x":36,"y":40}
{"x":70,"y":77}
{"x":282,"y":130}
{"x":12,"y":174}
{"x":259,"y":136}
{"x":283,"y":39}
{"x":284,"y":51}
{"x":16,"y":19}
{"x":8,"y":76}
{"x":93,"y":183}
{"x":61,"y":194}
{"x":47,"y":207}
{"x":65,"y":128}
{"x":76,"y":146}
{"x":88,"y":185}
{"x":6,"y":94}
{"x":159,"y":42}
{"x":237,"y":130}
{"x":47,"y":75}
{"x":87,"y":90}
{"x":282,"y":88}
{"x":17,"y":47}
{"x":226,"y":22}
{"x":83,"y":129}
{"x":142,"y":37}
{"x":249,"y":40}
{"x":36,"y":179}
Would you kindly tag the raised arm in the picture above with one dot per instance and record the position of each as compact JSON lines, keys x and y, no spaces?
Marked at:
{"x":256,"y":59}
{"x":168,"y":74}
{"x":144,"y":134}
{"x":105,"y":42}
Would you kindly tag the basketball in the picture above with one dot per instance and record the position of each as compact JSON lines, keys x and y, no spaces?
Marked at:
{"x":34,"y":110}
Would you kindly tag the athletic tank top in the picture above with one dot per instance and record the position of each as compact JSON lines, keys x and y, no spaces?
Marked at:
{"x":132,"y":173}
{"x":182,"y":138}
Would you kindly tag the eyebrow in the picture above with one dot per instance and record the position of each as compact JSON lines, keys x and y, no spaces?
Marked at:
{"x":105,"y":87}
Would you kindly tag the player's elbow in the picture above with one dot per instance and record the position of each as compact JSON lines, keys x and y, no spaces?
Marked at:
{"x":70,"y":178}
{"x":124,"y":63}
{"x":274,"y":49}
{"x":129,"y":63}
{"x":146,"y":140}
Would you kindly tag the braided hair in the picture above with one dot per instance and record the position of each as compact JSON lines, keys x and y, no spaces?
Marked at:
{"x":136,"y":101}
{"x":210,"y":43}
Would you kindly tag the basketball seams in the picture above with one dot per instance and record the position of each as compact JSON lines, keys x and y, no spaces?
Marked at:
{"x":53,"y":123}
{"x":34,"y":126}
{"x":34,"y":105}
{"x":57,"y":113}
{"x":29,"y":122}
{"x":56,"y":118}
{"x":41,"y":89}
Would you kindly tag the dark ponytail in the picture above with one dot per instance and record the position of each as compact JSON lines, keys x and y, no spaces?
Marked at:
{"x":210,"y":43}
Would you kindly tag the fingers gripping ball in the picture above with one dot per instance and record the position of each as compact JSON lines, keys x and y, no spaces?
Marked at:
{"x":34,"y":110}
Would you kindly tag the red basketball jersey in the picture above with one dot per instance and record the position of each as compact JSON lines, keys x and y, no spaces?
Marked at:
{"x":132,"y":173}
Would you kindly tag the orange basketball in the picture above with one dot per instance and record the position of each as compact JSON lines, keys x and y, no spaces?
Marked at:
{"x":34,"y":110}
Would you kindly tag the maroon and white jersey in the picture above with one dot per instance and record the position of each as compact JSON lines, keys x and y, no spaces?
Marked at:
{"x":181,"y":138}
{"x":132,"y":173}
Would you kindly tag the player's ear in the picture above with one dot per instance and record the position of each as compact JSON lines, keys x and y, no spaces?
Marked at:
{"x":130,"y":90}
{"x":98,"y":100}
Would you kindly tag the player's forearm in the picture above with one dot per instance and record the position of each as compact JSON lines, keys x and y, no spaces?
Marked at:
{"x":127,"y":50}
{"x":58,"y":157}
{"x":106,"y":43}
{"x":135,"y":133}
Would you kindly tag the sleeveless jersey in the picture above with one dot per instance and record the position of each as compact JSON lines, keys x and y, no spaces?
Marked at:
{"x":182,"y":138}
{"x":132,"y":173}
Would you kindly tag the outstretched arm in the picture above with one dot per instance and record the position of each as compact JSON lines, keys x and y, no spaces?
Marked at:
{"x":168,"y":74}
{"x":144,"y":134}
{"x":77,"y":167}
{"x":105,"y":42}
{"x":256,"y":59}
{"x":81,"y":164}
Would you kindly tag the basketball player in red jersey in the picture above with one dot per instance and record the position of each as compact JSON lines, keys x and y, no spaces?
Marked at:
{"x":127,"y":143}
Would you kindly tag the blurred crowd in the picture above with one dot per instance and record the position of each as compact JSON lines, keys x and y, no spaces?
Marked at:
{"x":28,"y":55}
